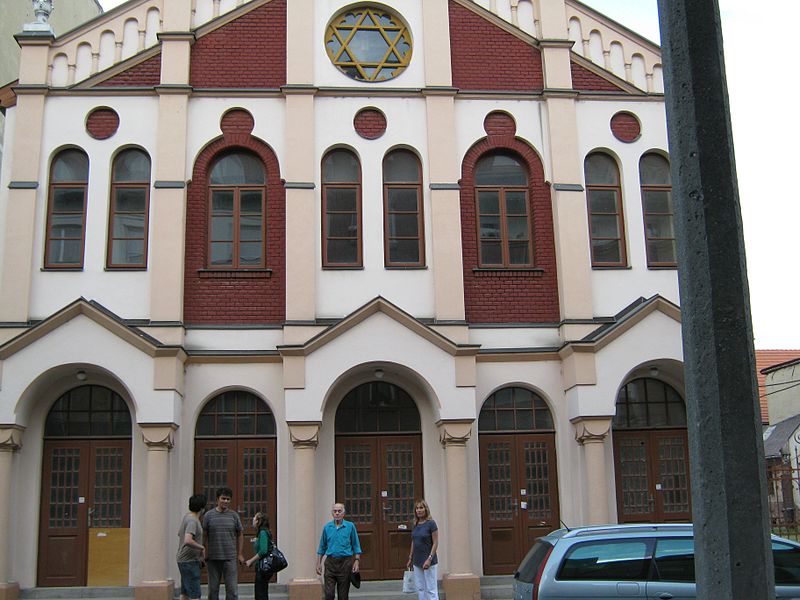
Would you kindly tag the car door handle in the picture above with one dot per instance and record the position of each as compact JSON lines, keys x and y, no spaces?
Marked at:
{"x":665,"y":596}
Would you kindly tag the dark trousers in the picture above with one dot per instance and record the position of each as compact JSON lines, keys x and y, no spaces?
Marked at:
{"x":261,"y":585}
{"x":337,"y":576}
{"x":224,"y":570}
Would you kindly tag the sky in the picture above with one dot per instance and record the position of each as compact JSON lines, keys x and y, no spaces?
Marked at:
{"x":762,"y":90}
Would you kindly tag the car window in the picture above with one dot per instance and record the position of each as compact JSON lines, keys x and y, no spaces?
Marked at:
{"x":674,"y":558}
{"x":787,"y":563}
{"x":606,"y":561}
{"x":529,"y":566}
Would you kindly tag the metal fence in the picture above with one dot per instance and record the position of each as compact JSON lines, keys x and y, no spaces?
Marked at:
{"x":783,"y":488}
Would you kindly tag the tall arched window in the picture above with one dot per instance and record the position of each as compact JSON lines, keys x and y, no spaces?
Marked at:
{"x":341,"y":210}
{"x":659,"y":225}
{"x":404,"y":244}
{"x":647,"y":403}
{"x":606,"y":226}
{"x":128,"y":217}
{"x":237,"y":196}
{"x":504,"y":228}
{"x":66,"y":214}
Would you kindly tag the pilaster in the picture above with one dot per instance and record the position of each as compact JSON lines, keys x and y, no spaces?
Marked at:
{"x":460,"y":582}
{"x":591,"y":433}
{"x":305,"y":438}
{"x":10,"y":444}
{"x":155,"y":584}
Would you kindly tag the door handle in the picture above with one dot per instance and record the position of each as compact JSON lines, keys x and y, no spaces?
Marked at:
{"x":665,"y":596}
{"x":89,"y":514}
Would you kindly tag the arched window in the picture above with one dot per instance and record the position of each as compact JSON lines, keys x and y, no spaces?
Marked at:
{"x":66,"y":214}
{"x":237,"y":197}
{"x":504,"y":228}
{"x":515,"y":409}
{"x":341,"y":210}
{"x":404,"y":244}
{"x":606,"y":227}
{"x":647,"y":403}
{"x":128,"y":217}
{"x":236,"y":413}
{"x":377,"y":407}
{"x":88,"y":411}
{"x":659,"y":225}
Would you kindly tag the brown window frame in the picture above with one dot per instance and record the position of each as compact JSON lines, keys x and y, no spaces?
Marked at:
{"x":112,"y":213}
{"x":420,"y":237}
{"x":503,"y":216}
{"x":617,"y":189}
{"x":649,"y":187}
{"x":326,"y":187}
{"x":84,"y":186}
{"x":236,"y":217}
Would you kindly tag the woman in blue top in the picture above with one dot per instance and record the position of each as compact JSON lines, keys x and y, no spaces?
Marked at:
{"x":261,"y":546}
{"x":424,"y":542}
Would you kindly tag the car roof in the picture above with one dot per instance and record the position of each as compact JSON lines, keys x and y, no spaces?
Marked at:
{"x":632,"y":528}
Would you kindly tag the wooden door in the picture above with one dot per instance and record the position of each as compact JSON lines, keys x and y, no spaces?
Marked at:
{"x":249,"y":468}
{"x":519,"y":496}
{"x":378,"y":479}
{"x":85,"y":488}
{"x":652,"y":476}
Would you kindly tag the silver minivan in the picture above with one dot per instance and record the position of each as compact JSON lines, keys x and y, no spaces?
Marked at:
{"x":629,"y":561}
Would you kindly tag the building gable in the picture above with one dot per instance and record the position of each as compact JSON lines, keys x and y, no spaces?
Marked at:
{"x":146,"y":73}
{"x":246,"y":52}
{"x":487,"y":56}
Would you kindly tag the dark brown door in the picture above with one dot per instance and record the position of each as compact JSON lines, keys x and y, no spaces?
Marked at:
{"x":249,"y":468}
{"x":652,"y":476}
{"x":378,"y":478}
{"x":519,"y":496}
{"x":85,"y":484}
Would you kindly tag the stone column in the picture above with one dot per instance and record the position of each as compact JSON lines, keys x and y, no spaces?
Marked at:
{"x":591,"y":433}
{"x":10,"y":442}
{"x":154,"y":584}
{"x":305,"y":584}
{"x":460,"y":582}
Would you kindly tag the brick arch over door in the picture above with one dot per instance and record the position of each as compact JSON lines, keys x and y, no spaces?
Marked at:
{"x":509,"y":295}
{"x":259,"y":293}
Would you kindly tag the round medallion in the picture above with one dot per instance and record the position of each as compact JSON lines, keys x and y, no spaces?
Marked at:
{"x":368,"y":43}
{"x":102,"y":123}
{"x":626,"y":127}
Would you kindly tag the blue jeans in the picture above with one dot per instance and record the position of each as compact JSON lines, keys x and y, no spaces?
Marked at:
{"x":225,"y":570}
{"x":190,"y":579}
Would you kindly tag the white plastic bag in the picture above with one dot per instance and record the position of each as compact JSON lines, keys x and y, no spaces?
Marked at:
{"x":409,"y":582}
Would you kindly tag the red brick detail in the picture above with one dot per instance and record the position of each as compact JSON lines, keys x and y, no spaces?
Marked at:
{"x":509,"y":296}
{"x":485,"y":57}
{"x":146,"y":74}
{"x":583,"y":79}
{"x":370,"y":123}
{"x":102,"y":123}
{"x":249,"y":52}
{"x":499,"y":123}
{"x":237,"y":122}
{"x":230,"y":299}
{"x":625,"y":127}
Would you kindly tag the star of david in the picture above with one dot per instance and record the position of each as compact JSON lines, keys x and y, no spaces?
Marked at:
{"x":368,"y":44}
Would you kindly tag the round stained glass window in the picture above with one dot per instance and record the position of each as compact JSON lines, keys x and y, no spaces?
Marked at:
{"x":368,"y":43}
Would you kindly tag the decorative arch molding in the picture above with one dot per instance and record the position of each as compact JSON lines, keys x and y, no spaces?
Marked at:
{"x":529,"y":294}
{"x":261,"y":292}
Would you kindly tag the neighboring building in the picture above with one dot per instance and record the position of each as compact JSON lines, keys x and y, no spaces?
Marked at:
{"x":777,"y":371}
{"x":318,"y":251}
{"x":16,"y":12}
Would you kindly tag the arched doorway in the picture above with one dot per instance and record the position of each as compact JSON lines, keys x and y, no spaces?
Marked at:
{"x":235,"y":443}
{"x":379,"y":472}
{"x":84,"y":527}
{"x":519,"y":483}
{"x":651,"y":453}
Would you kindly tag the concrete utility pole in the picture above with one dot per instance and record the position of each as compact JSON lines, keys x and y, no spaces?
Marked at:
{"x":733,"y":557}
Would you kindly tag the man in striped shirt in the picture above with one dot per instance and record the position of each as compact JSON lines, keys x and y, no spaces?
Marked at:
{"x":224,"y":539}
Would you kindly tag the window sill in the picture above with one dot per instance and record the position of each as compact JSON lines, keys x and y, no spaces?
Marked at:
{"x":662,"y":267}
{"x":343,"y":268}
{"x":405,"y":267}
{"x":62,"y":269}
{"x":124,"y":269}
{"x":611,"y":268}
{"x":508,"y":272}
{"x":234,"y":273}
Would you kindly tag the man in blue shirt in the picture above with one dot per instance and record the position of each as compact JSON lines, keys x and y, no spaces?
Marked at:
{"x":339,"y":542}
